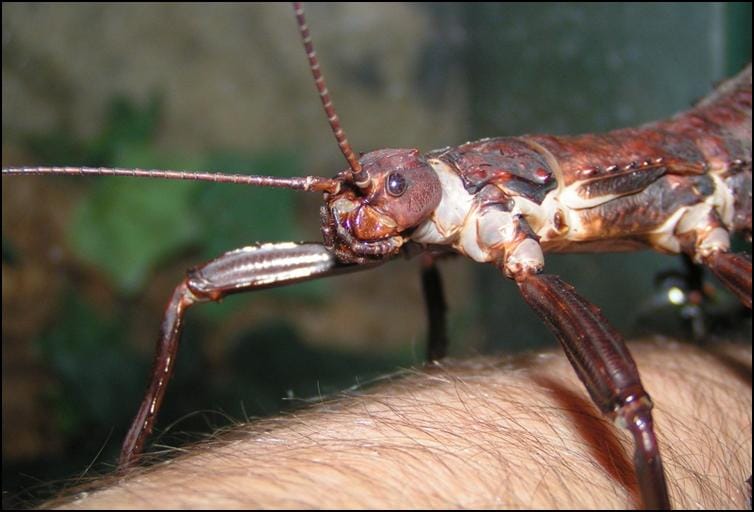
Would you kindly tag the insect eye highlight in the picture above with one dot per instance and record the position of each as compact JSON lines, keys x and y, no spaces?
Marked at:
{"x":396,"y":184}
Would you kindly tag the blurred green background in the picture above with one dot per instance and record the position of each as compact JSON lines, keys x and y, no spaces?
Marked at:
{"x":88,"y":264}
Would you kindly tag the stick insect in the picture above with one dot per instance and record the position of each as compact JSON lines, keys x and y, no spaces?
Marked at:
{"x":342,"y":254}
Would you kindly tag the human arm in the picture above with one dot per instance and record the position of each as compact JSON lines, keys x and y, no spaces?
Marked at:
{"x":486,"y":432}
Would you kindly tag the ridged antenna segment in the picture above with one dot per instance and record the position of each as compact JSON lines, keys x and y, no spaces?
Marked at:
{"x":306,"y":183}
{"x":324,"y":95}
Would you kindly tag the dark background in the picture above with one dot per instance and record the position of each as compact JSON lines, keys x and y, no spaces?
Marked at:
{"x":88,"y":264}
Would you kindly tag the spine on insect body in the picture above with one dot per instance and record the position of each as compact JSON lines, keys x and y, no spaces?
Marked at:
{"x":622,"y":190}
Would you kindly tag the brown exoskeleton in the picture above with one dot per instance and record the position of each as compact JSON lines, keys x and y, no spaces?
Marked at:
{"x":679,"y":185}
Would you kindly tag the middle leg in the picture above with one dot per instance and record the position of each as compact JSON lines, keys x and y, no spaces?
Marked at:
{"x":598,"y":354}
{"x":434,"y":300}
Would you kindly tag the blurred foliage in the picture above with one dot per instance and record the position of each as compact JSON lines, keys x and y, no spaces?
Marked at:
{"x":126,"y":226}
{"x":126,"y":130}
{"x":90,"y":371}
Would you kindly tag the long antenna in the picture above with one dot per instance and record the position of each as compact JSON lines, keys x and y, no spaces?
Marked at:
{"x":306,"y":183}
{"x":359,"y":177}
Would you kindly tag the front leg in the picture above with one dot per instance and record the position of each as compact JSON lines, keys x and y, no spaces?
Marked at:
{"x":598,"y":354}
{"x":246,"y":269}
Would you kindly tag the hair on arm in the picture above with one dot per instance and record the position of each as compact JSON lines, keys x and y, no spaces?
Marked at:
{"x":481,"y":433}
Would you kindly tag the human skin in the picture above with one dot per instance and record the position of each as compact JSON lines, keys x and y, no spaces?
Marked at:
{"x":481,"y":433}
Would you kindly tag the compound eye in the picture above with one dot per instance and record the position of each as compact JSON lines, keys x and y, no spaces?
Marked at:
{"x":396,"y":184}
